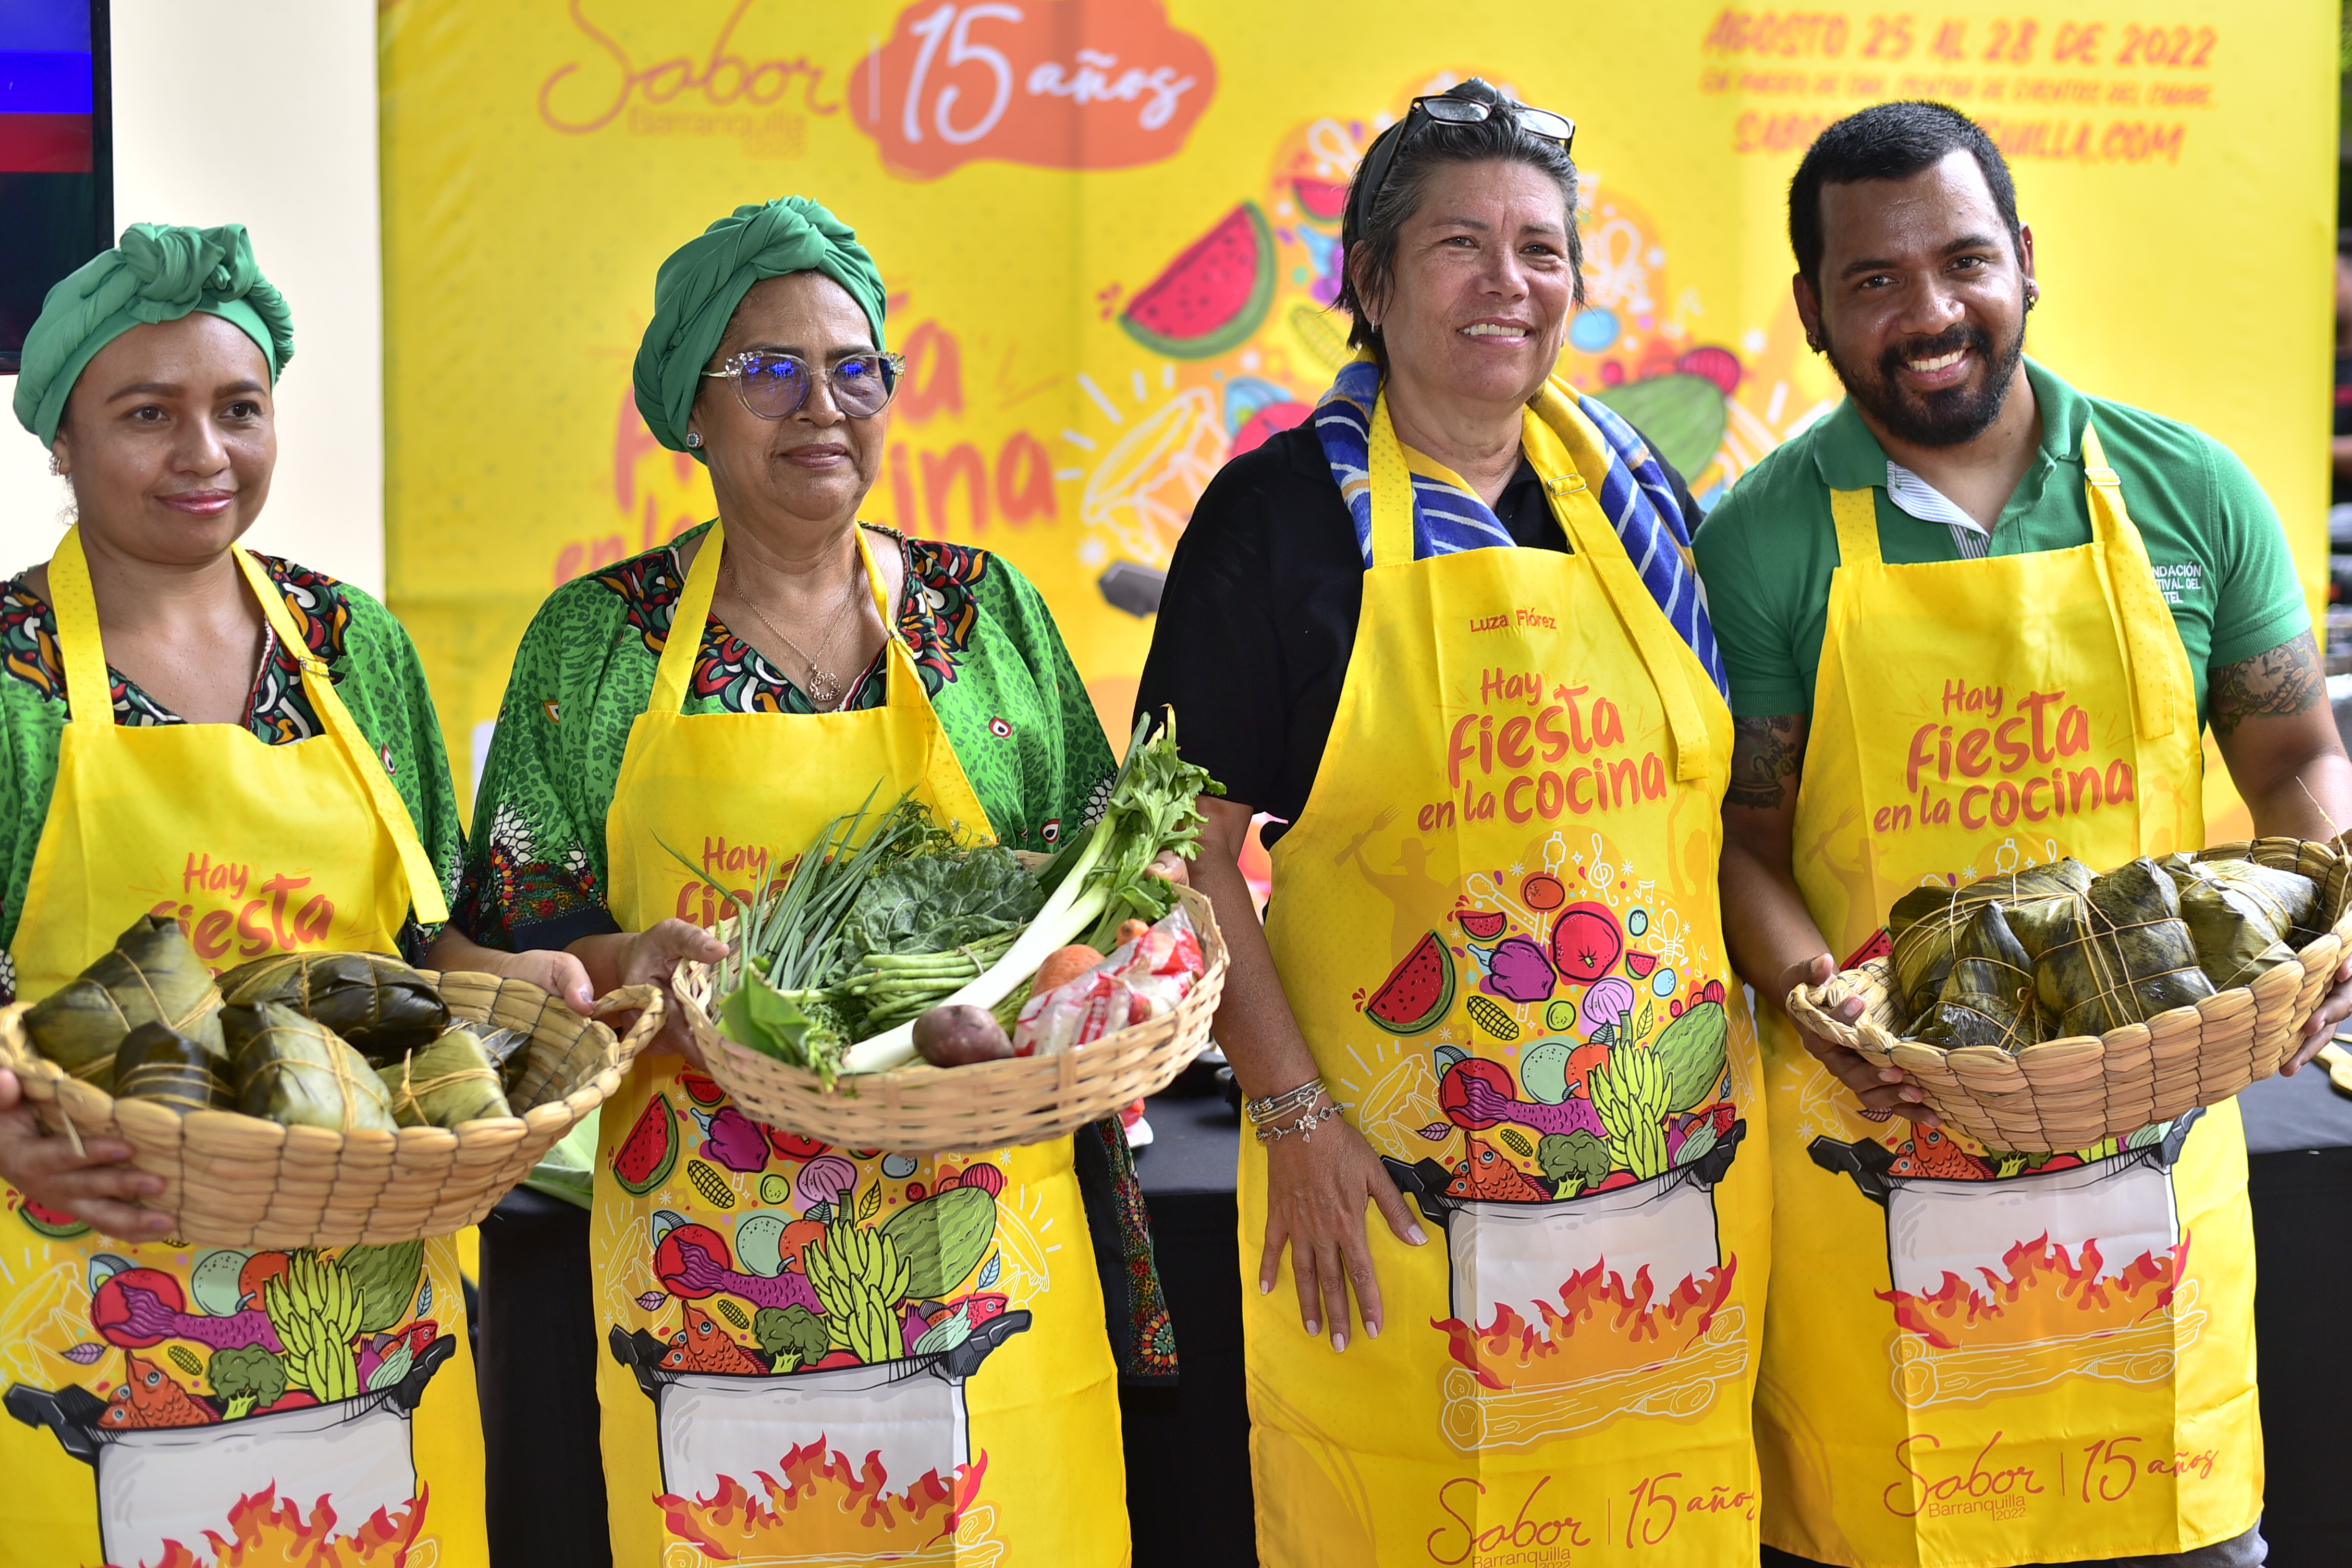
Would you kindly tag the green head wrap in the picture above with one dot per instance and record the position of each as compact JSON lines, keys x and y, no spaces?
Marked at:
{"x":697,"y":288}
{"x":159,"y":272}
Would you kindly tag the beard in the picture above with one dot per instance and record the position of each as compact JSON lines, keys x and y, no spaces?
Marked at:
{"x":1949,"y":417}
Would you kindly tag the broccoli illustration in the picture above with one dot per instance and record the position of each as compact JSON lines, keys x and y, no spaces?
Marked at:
{"x":793,"y":1335}
{"x":1575,"y":1160}
{"x":246,"y":1378}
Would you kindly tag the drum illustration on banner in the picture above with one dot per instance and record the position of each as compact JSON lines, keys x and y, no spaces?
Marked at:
{"x":241,"y":1402}
{"x":1563,"y":1099}
{"x":809,"y":1320}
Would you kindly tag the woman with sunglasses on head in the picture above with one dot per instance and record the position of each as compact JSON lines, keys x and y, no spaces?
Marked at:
{"x":1448,"y":632}
{"x":724,"y":696}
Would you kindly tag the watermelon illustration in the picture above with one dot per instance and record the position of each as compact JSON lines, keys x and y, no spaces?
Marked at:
{"x":1320,"y":199}
{"x":1879,"y":945}
{"x":1418,"y":992}
{"x":1212,"y":298}
{"x":52,"y":1223}
{"x":1485,"y":925}
{"x":648,"y":1154}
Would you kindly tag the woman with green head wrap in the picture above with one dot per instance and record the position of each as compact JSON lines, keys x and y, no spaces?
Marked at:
{"x":195,"y":732}
{"x":725,"y":695}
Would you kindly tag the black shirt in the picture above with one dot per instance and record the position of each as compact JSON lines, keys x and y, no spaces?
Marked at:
{"x":1259,"y":615}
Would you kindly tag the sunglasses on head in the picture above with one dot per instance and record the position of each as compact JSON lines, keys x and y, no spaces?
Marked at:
{"x":1446,"y":109}
{"x":776,"y":385}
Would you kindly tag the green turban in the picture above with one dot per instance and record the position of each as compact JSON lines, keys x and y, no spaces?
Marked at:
{"x":159,"y":272}
{"x":697,"y":288}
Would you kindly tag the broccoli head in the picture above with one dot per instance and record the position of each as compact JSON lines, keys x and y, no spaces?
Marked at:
{"x":1574,"y":1159}
{"x":247,"y":1378}
{"x":793,"y":1335}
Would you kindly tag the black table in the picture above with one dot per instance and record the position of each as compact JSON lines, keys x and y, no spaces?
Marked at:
{"x":1188,"y":1483}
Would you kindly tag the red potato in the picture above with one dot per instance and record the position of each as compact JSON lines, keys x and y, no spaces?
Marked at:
{"x":960,"y":1036}
{"x":1063,"y":965}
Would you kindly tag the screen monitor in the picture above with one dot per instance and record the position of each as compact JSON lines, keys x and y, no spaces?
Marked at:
{"x":56,"y":165}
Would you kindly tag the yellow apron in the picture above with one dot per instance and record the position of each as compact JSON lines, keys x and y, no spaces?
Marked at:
{"x":1507,"y":864}
{"x":742,"y":1419}
{"x":126,"y":1354}
{"x":1967,"y":1361}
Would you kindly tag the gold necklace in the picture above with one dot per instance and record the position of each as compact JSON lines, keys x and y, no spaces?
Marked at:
{"x":825,"y":690}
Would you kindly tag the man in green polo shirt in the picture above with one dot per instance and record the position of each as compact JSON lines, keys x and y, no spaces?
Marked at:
{"x":1974,"y":620}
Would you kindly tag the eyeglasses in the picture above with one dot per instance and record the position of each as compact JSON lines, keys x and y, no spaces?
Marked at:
{"x":1541,"y":124}
{"x":775,"y":385}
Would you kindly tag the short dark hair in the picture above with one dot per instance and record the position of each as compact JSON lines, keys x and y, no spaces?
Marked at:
{"x":1496,"y":139}
{"x":1890,"y":142}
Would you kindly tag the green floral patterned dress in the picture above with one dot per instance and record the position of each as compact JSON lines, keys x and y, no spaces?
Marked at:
{"x":992,"y":663}
{"x":368,"y":654}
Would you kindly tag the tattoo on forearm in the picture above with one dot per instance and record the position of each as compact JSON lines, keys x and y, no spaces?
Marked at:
{"x":1765,"y":754}
{"x":2289,"y":679}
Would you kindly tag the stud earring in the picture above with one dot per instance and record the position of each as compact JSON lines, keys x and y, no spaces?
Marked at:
{"x":694,"y":437}
{"x":56,"y":465}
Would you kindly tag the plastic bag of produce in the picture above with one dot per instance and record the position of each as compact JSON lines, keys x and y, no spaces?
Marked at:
{"x":381,"y":1007}
{"x":2120,"y":954}
{"x":1141,"y":979}
{"x":294,"y":1070}
{"x":1988,"y":999}
{"x":149,"y":976}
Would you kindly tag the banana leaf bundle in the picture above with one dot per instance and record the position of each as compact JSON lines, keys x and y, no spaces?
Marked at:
{"x":157,"y":1062}
{"x":149,"y":976}
{"x":451,"y":1080}
{"x":2120,"y":954}
{"x":296,"y":1071}
{"x":1926,"y":922}
{"x":2246,"y":919}
{"x":1988,"y":999}
{"x":380,"y":1006}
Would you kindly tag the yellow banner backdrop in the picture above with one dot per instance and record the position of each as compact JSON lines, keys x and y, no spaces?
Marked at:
{"x":1109,"y":229}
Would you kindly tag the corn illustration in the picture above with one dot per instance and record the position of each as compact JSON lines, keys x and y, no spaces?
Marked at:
{"x":733,"y":1314}
{"x":710,"y":1185}
{"x":860,"y":1278}
{"x":1632,"y":1094}
{"x":315,"y":1308}
{"x":186,"y":1360}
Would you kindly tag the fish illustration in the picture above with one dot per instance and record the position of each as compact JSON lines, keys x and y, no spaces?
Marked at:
{"x":1486,"y":1174}
{"x":149,"y":1397}
{"x":1928,"y":1153}
{"x":703,"y":1346}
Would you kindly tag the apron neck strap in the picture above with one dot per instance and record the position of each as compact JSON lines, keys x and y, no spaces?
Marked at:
{"x":2150,"y":641}
{"x":684,"y":643}
{"x":1856,"y":513}
{"x":1562,"y":447}
{"x":1392,"y":480}
{"x":90,"y":695}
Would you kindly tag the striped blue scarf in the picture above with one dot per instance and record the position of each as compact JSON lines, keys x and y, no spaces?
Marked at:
{"x":1634,"y":494}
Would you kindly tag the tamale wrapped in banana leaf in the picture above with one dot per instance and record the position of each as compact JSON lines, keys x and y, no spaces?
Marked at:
{"x":2244,"y":918}
{"x":381,"y":1007}
{"x":1988,"y":999}
{"x":149,"y":976}
{"x":157,"y":1062}
{"x":294,"y":1070}
{"x":451,"y":1080}
{"x":2119,"y":954}
{"x":1931,"y":919}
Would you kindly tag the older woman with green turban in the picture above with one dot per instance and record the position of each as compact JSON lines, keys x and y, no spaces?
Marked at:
{"x":196,"y":733}
{"x":796,"y":1334}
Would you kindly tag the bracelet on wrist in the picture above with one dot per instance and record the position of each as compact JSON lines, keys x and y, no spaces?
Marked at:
{"x":1304,"y":1124}
{"x":1274,"y":1107}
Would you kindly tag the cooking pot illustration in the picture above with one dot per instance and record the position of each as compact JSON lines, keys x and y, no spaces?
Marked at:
{"x":909,"y":1411}
{"x":1987,"y":1274}
{"x":1507,"y":1261}
{"x":173,"y":1483}
{"x":1514,"y":1253}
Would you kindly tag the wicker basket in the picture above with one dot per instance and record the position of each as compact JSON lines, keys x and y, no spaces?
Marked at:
{"x":922,"y":1109}
{"x":232,"y":1180}
{"x":2067,"y":1094}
